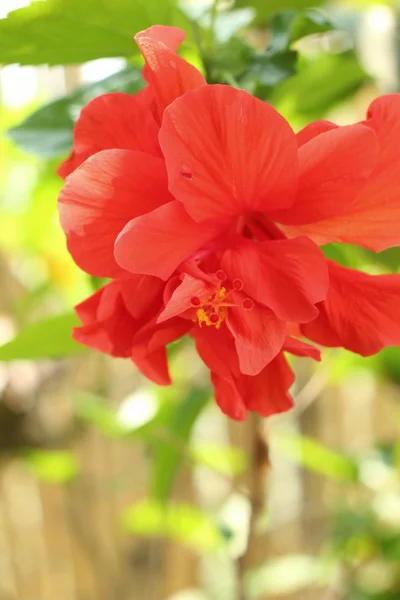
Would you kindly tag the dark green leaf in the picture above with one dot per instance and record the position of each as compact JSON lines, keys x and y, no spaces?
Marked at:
{"x":271,"y":69}
{"x":48,"y":131}
{"x":75,"y":31}
{"x":230,"y":59}
{"x":279,"y":61}
{"x":169,"y":452}
{"x":49,"y":338}
{"x":322,"y":83}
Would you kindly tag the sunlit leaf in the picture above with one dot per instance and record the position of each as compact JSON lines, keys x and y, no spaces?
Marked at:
{"x":285,"y":575}
{"x":189,"y":594}
{"x":225,"y":460}
{"x":53,"y":466}
{"x":48,"y":338}
{"x":75,"y":31}
{"x":316,"y":457}
{"x":313,"y":91}
{"x":169,"y":451}
{"x":48,"y":131}
{"x":179,"y":522}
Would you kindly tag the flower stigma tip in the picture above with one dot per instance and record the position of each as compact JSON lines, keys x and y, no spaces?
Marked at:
{"x":247,"y":303}
{"x":212,"y":310}
{"x":221,"y":275}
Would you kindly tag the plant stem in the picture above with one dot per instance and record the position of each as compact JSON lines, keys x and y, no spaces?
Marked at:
{"x":257,"y":497}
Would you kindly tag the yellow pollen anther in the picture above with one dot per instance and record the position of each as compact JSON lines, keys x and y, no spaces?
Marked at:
{"x":213,"y":314}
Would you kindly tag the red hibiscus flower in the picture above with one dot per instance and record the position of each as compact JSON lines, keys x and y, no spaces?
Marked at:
{"x":208,"y":192}
{"x":119,"y":120}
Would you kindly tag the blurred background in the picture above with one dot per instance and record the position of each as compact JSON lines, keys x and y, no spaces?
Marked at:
{"x":112,"y":488}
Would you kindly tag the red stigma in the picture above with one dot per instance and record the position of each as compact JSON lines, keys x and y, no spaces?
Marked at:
{"x":195,"y":301}
{"x":237,"y":284}
{"x":248,"y":304}
{"x":221,"y":275}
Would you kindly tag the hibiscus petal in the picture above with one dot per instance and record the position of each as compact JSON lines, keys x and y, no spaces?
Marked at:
{"x":312,"y":130}
{"x":107,"y":325}
{"x":168,"y":74}
{"x":299,"y":348}
{"x":259,"y":336}
{"x":228,"y":397}
{"x":158,"y":242}
{"x":361,"y":312}
{"x":288,"y":276}
{"x":372,"y":220}
{"x":180,"y":300}
{"x":228,"y":153}
{"x":217,"y":350}
{"x":268,"y":392}
{"x":334,"y":167}
{"x":101,"y":197}
{"x":113,"y":121}
{"x":142,"y":294}
{"x":154,"y":366}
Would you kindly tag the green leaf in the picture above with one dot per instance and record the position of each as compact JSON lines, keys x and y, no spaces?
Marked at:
{"x":291,"y":25}
{"x":313,"y":91}
{"x":54,"y":466}
{"x":169,"y":453}
{"x":279,"y":61}
{"x":133,"y":418}
{"x":229,"y":60}
{"x":283,"y":576}
{"x":389,"y":361}
{"x":264,"y":9}
{"x":93,"y":410}
{"x":48,"y":131}
{"x":182,"y":523}
{"x":48,"y":338}
{"x":228,"y":461}
{"x":75,"y":31}
{"x":315,"y":457}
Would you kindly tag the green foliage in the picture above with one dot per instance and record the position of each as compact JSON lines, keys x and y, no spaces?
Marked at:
{"x":65,"y":32}
{"x":48,"y":338}
{"x":279,"y":61}
{"x":52,"y":466}
{"x":314,"y":90}
{"x":316,"y":457}
{"x":265,"y":9}
{"x":225,"y":460}
{"x":179,"y":522}
{"x":48,"y":131}
{"x":285,"y":575}
{"x":168,"y":451}
{"x":93,"y":410}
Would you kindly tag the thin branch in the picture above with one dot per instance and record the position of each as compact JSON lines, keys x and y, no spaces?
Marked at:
{"x":257,"y":496}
